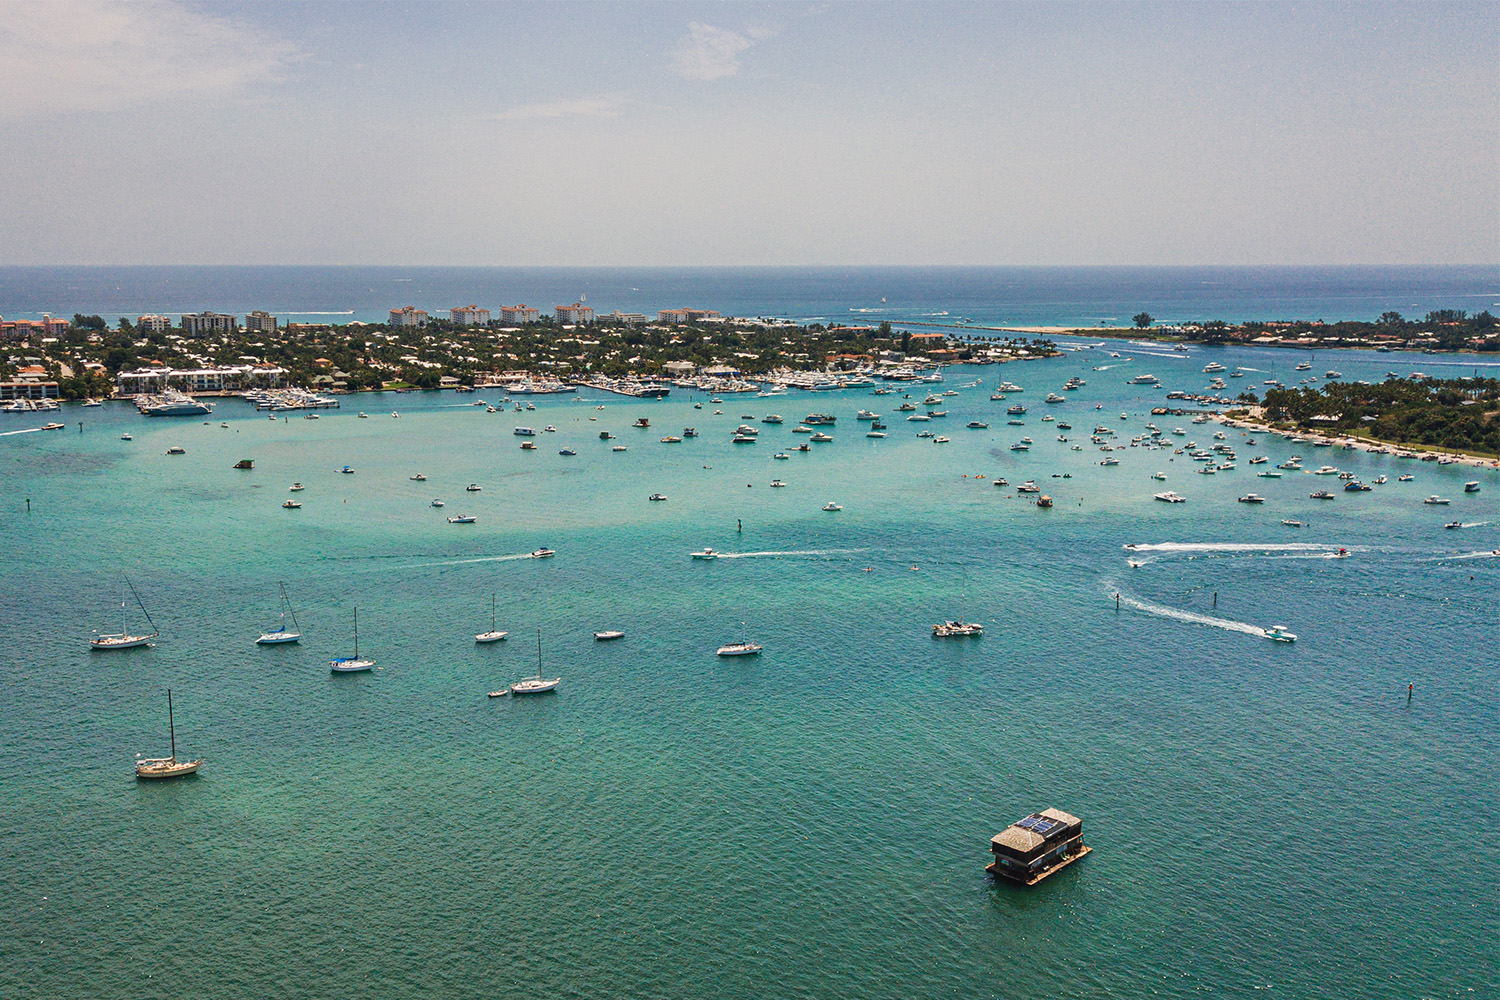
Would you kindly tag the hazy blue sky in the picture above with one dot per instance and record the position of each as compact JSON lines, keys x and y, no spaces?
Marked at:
{"x":787,"y":133}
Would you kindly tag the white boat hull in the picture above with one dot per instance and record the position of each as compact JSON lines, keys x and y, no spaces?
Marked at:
{"x":490,"y":636}
{"x":120,"y":641}
{"x":350,"y":666}
{"x":277,"y":638}
{"x":166,"y":768}
{"x":535,"y":685}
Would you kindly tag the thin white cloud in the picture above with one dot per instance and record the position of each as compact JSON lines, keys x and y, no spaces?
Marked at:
{"x":64,"y":56}
{"x":710,"y":53}
{"x":597,"y":106}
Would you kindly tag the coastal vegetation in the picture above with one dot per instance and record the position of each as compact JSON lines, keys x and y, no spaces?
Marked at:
{"x":1452,"y":414}
{"x":1441,"y":330}
{"x":87,"y":358}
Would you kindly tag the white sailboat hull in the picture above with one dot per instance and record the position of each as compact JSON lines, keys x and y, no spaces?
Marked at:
{"x":121,"y":641}
{"x":490,"y":636}
{"x":278,"y":637}
{"x":535,"y":685}
{"x":349,"y":666}
{"x":167,"y":767}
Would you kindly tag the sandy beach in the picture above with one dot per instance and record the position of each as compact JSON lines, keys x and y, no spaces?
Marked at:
{"x":1253,"y":423}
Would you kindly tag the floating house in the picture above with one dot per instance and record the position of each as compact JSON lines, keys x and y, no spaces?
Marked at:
{"x":1032,"y":848}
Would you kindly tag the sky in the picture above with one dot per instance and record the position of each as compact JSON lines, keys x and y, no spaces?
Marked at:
{"x":868,"y":133}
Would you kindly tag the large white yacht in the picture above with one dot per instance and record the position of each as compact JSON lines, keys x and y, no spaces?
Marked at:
{"x":739,"y":649}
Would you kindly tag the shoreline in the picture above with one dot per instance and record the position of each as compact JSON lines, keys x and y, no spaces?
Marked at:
{"x":1365,"y":444}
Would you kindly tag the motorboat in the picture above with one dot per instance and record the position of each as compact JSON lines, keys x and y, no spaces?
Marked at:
{"x":296,"y":488}
{"x":544,"y":553}
{"x":126,"y":437}
{"x":1454,"y":524}
{"x":866,"y":415}
{"x":671,"y":439}
{"x":1162,"y":476}
{"x":566,"y":451}
{"x":473,"y":488}
{"x":1252,"y":498}
{"x":618,"y":447}
{"x":1280,"y":634}
{"x":1355,"y":486}
{"x":1170,"y":496}
{"x":536,"y":684}
{"x":875,"y":434}
{"x":977,"y":425}
{"x":608,"y":635}
{"x":1437,"y":501}
{"x":821,"y":437}
{"x":941,"y":439}
{"x":178,"y":450}
{"x":462,"y":519}
{"x":777,"y":484}
{"x":418,"y":478}
{"x":657,"y":497}
{"x":1320,"y":495}
{"x":775,"y":418}
{"x":957,"y":629}
{"x":1020,"y":446}
{"x":1326,"y":470}
{"x":783,"y":456}
{"x":291,"y":504}
{"x":347,"y":470}
{"x":707,"y":553}
{"x":437,"y":503}
{"x":1292,"y":523}
{"x":1110,"y":461}
{"x":739,"y":649}
{"x":1029,"y":486}
{"x":1405,"y":479}
{"x":1269,"y":474}
{"x":1471,"y":487}
{"x":167,"y":767}
{"x":524,"y":432}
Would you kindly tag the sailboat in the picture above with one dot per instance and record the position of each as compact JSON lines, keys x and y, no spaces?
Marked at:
{"x":167,"y":767}
{"x":123,"y":639}
{"x":537,"y":684}
{"x":493,"y":635}
{"x":958,"y":628}
{"x":281,"y":635}
{"x":351,"y":664}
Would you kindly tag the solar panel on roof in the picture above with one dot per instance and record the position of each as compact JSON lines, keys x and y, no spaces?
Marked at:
{"x":1041,"y":825}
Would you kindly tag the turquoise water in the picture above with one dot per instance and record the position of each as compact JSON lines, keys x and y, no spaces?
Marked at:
{"x":811,"y":822}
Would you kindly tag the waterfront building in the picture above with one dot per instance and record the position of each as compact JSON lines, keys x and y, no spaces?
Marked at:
{"x":687,"y":315}
{"x":409,"y":316}
{"x":518,"y":315}
{"x":153,"y":323}
{"x":260,"y":321}
{"x":470,"y":315}
{"x":230,"y":378}
{"x":575,"y":313}
{"x":198,"y":324}
{"x":22,"y":329}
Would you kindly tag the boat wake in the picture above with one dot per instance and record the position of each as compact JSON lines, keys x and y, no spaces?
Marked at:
{"x":1192,"y":617}
{"x":799,"y":552}
{"x":28,"y":430}
{"x":466,"y":562}
{"x":1482,"y":554}
{"x":1244,"y":547}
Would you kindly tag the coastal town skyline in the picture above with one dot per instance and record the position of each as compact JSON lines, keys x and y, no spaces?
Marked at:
{"x":736,"y":134}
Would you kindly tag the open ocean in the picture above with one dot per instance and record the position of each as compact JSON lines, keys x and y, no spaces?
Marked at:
{"x":1269,"y":820}
{"x":1016,"y":296}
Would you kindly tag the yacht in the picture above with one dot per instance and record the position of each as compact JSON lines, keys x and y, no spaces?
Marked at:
{"x":1170,"y":497}
{"x":1015,"y":410}
{"x":351,"y":664}
{"x":1252,"y":498}
{"x":536,"y":684}
{"x":739,"y":649}
{"x":1029,"y":486}
{"x":707,"y":553}
{"x":1150,"y":379}
{"x":123,"y":639}
{"x":494,"y":634}
{"x":1280,"y":634}
{"x":167,"y":767}
{"x":173,"y":404}
{"x":1305,"y":366}
{"x":866,"y":415}
{"x":820,"y":436}
{"x":956,"y":629}
{"x":1213,"y":366}
{"x":1053,"y":397}
{"x":1326,"y":470}
{"x":978,"y":425}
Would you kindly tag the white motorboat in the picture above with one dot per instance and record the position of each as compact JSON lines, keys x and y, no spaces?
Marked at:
{"x":1292,"y":523}
{"x":1471,"y":487}
{"x":280,"y":635}
{"x":437,"y":503}
{"x":658,"y":497}
{"x":1280,"y":634}
{"x":1162,"y":476}
{"x":1269,"y":474}
{"x":830,"y":505}
{"x":536,"y":684}
{"x":777,"y":484}
{"x":1252,"y":498}
{"x":296,"y":488}
{"x":124,"y":639}
{"x":494,"y":634}
{"x":739,"y":649}
{"x":707,"y":553}
{"x":1436,"y":501}
{"x":418,"y":478}
{"x":351,"y":664}
{"x":544,"y":553}
{"x":167,"y":767}
{"x":1170,"y":496}
{"x":461,"y":519}
{"x":608,"y":635}
{"x":291,"y":504}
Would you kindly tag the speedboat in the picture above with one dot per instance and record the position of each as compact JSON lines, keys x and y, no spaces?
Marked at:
{"x":1170,"y":496}
{"x":1405,"y":479}
{"x":1280,"y":634}
{"x":296,"y":488}
{"x":739,"y":649}
{"x":956,"y":629}
{"x":707,"y":553}
{"x":461,"y":519}
{"x":1269,"y":474}
{"x":544,"y":553}
{"x":347,"y":470}
{"x":830,"y":505}
{"x":1252,"y":498}
{"x":291,"y":504}
{"x":1454,"y":524}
